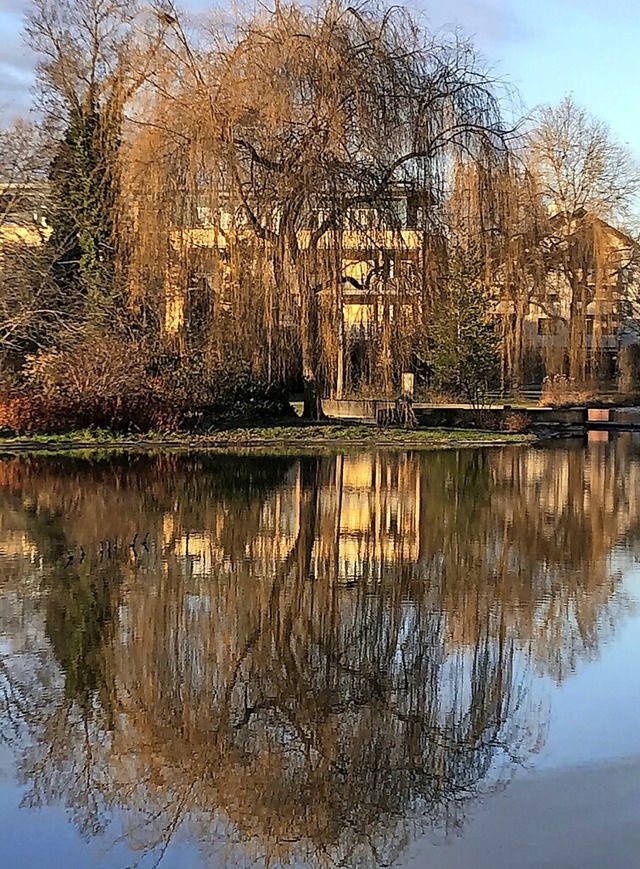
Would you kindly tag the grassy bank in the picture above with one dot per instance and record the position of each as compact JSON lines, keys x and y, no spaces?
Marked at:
{"x":279,"y":435}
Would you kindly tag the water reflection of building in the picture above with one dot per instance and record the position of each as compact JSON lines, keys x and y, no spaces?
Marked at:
{"x":367,"y":513}
{"x":19,"y":551}
{"x":20,"y":582}
{"x":263,"y":536}
{"x":370,"y":515}
{"x":597,"y":488}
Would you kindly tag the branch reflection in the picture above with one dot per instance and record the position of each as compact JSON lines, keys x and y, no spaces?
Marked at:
{"x":306,"y":659}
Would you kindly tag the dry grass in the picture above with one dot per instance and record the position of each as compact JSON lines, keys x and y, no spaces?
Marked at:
{"x":562,"y":391}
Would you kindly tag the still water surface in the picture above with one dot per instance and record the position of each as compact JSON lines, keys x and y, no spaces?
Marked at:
{"x":425,"y":659}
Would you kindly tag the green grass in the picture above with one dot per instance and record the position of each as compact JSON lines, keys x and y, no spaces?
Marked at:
{"x":85,"y":435}
{"x":330,"y":433}
{"x":287,"y":435}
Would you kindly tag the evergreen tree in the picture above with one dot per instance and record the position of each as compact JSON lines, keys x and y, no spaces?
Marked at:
{"x":464,"y":343}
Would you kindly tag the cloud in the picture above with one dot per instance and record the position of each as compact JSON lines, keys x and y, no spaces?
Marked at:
{"x":15,"y":55}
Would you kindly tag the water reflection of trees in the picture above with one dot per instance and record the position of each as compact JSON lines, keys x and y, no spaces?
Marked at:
{"x":312,"y":656}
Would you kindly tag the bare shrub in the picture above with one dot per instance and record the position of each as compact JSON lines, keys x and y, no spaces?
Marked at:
{"x":435,"y":396}
{"x":513,"y":422}
{"x":126,"y":386}
{"x":484,"y":420}
{"x":37,"y":414}
{"x":98,"y":366}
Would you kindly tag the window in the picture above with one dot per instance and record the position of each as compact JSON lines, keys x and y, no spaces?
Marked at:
{"x":624,"y":308}
{"x":590,"y":321}
{"x":407,"y":268}
{"x":548,"y":326}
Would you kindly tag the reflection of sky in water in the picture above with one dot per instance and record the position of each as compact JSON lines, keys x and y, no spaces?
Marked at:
{"x":593,"y":712}
{"x":45,"y":838}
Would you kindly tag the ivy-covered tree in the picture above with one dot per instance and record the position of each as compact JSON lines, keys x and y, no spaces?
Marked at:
{"x":95,"y":55}
{"x":84,"y":180}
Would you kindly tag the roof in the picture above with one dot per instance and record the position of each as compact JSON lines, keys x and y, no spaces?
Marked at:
{"x":582,"y":214}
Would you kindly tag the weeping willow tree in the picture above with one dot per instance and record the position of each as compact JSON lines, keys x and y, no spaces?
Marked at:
{"x":585,"y":178}
{"x":280,"y":198}
{"x":521,"y":270}
{"x":298,"y":137}
{"x":501,"y":219}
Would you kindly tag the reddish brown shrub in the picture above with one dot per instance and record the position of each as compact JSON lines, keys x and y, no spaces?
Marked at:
{"x":104,"y":382}
{"x":517,"y":422}
{"x":25,"y":414}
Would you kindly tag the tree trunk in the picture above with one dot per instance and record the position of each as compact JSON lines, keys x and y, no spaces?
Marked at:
{"x":577,"y":334}
{"x":629,"y":368}
{"x":517,"y":370}
{"x":339,"y":391}
{"x":295,"y":272}
{"x":309,"y":343}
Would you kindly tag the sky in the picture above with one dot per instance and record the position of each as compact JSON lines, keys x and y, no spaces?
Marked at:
{"x":545,"y":48}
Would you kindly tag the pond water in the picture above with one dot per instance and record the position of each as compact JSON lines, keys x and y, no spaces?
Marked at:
{"x":425,"y":659}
